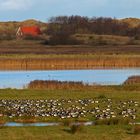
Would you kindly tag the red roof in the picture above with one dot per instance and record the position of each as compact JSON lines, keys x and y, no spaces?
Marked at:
{"x":30,"y":30}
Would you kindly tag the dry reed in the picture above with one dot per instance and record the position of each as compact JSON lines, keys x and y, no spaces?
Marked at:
{"x":68,"y":63}
{"x":132,"y":80}
{"x":40,"y":84}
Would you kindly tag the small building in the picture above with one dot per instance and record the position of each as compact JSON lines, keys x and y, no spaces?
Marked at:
{"x":28,"y":30}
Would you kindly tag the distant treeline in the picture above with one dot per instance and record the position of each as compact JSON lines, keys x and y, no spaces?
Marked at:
{"x":97,"y":25}
{"x":61,"y":28}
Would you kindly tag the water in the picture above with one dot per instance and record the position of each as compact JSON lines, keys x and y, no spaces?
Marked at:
{"x":41,"y":124}
{"x":19,"y":79}
{"x":13,"y":124}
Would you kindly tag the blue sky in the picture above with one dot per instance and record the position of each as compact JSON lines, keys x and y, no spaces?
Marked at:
{"x":44,"y":9}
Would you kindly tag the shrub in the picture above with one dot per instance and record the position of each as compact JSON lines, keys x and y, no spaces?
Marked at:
{"x":63,"y":40}
{"x":124,"y":121}
{"x":30,"y":37}
{"x":2,"y":122}
{"x":66,"y":122}
{"x":103,"y":122}
{"x":131,"y":41}
{"x":101,"y":96}
{"x":136,"y":129}
{"x":7,"y":37}
{"x":91,"y":37}
{"x":76,"y":128}
{"x":137,"y":37}
{"x":112,"y":121}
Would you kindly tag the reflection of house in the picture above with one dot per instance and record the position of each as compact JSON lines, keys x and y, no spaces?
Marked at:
{"x":28,"y":30}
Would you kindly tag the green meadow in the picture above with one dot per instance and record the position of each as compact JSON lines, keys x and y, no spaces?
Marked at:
{"x":118,"y":92}
{"x":114,"y":132}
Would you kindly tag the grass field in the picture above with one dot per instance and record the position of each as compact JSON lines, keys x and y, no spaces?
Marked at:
{"x":101,"y":93}
{"x":119,"y":132}
{"x":119,"y":92}
{"x":97,"y":132}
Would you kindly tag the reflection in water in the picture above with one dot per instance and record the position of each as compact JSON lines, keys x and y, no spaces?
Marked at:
{"x":18,"y":79}
{"x":29,"y":124}
{"x":14,"y":124}
{"x":42,"y":124}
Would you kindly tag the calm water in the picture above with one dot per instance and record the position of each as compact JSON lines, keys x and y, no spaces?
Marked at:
{"x":18,"y":79}
{"x":12,"y":124}
{"x":41,"y":124}
{"x":29,"y":124}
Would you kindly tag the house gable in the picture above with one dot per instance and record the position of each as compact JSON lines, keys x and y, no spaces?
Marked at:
{"x":28,"y":30}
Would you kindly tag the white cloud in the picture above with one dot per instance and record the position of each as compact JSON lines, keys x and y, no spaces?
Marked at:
{"x":15,"y":4}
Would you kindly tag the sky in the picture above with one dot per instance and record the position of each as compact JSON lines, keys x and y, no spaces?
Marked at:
{"x":18,"y":10}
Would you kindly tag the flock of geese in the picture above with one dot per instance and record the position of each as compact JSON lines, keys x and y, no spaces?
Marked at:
{"x":70,"y":108}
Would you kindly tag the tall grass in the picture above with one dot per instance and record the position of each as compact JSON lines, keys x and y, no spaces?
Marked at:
{"x":132,"y":80}
{"x":76,"y":128}
{"x":69,"y":63}
{"x":40,"y":84}
{"x":62,"y":85}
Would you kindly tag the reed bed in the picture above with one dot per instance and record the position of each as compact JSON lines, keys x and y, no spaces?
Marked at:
{"x":132,"y":80}
{"x":60,"y":63}
{"x":40,"y":84}
{"x":69,"y":85}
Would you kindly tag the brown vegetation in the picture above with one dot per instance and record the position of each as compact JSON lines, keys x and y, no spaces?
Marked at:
{"x":62,"y":28}
{"x":101,"y":40}
{"x":36,"y":47}
{"x":52,"y":84}
{"x":76,"y":128}
{"x":90,"y":32}
{"x":69,"y":63}
{"x":132,"y":80}
{"x":132,"y":22}
{"x":136,"y":129}
{"x":32,"y":55}
{"x":40,"y":84}
{"x":112,"y":121}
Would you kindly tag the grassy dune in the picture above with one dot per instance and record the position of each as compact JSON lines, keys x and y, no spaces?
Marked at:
{"x":103,"y":39}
